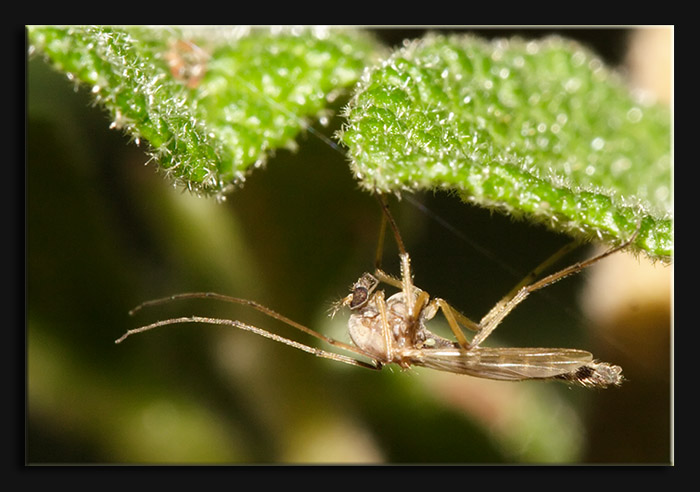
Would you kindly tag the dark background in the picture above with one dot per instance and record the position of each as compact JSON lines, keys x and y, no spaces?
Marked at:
{"x":105,"y":233}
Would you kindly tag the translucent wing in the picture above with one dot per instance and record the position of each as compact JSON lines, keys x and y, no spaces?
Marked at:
{"x":507,"y":364}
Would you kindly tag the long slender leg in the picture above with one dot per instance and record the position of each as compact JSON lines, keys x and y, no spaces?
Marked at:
{"x":392,"y":223}
{"x":380,"y":302}
{"x":258,"y":331}
{"x":461,"y":319}
{"x":503,"y":308}
{"x":388,"y":279}
{"x":403,"y":255}
{"x":455,"y":319}
{"x":529,"y":278}
{"x":415,"y":306}
{"x":407,"y":283}
{"x":380,"y":274}
{"x":380,"y":244}
{"x":406,"y":276}
{"x":245,"y":302}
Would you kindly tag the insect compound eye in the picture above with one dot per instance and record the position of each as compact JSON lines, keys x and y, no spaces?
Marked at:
{"x":361,"y":290}
{"x":359,"y":297}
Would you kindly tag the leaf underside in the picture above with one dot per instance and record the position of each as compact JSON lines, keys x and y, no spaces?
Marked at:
{"x":535,"y":129}
{"x":530,"y":128}
{"x":212,"y":103}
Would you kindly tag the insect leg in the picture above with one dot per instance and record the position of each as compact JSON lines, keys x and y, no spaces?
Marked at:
{"x":380,"y":274}
{"x":380,"y":244}
{"x":245,"y":302}
{"x":387,"y":217}
{"x":406,"y":276}
{"x":258,"y":331}
{"x":455,"y":319}
{"x":494,"y":317}
{"x":384,"y":277}
{"x":529,"y":278}
{"x":386,"y":329}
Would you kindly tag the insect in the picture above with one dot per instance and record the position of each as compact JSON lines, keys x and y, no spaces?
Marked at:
{"x":187,"y":62}
{"x":393,"y":330}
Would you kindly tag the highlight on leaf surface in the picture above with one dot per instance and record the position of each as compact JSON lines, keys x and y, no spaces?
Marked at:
{"x":530,"y":128}
{"x":212,"y":103}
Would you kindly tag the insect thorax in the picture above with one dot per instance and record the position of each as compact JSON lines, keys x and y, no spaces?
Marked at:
{"x":366,"y":329}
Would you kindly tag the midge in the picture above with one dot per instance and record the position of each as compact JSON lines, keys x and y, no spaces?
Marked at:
{"x":393,"y":330}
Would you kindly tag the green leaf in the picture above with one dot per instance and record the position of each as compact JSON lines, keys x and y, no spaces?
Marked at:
{"x":211,"y":103}
{"x":538,"y":129}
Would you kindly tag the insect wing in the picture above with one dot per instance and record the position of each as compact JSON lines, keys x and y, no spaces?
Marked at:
{"x":507,"y":364}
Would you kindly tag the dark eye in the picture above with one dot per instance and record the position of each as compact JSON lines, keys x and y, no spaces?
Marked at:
{"x":359,"y":297}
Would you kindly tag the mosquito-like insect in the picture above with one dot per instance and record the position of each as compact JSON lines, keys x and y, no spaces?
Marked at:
{"x":393,"y":330}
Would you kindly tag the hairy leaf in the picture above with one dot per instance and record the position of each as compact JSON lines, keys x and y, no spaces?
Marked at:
{"x":211,"y":103}
{"x":538,"y":129}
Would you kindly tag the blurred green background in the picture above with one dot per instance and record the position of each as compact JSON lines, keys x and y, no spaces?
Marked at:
{"x":105,"y":233}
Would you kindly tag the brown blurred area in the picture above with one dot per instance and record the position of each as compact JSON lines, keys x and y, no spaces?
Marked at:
{"x":631,"y":301}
